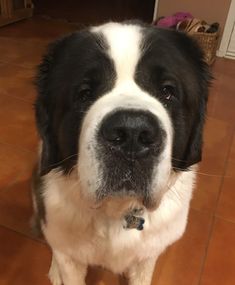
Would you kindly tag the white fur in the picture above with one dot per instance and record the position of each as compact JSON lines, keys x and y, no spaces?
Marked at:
{"x":86,"y":235}
{"x":124,"y":47}
{"x":80,"y":234}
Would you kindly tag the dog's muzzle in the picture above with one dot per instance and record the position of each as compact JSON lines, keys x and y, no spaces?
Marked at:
{"x":129,"y":143}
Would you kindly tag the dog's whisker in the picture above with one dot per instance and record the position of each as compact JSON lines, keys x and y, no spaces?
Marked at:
{"x":63,"y":160}
{"x":212,"y":175}
{"x":205,"y":174}
{"x":176,"y":159}
{"x":71,"y":170}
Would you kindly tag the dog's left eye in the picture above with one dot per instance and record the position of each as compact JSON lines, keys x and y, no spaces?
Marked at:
{"x":168,"y":91}
{"x":84,"y":92}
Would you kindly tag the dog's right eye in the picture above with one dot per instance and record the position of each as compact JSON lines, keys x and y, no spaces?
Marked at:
{"x":168,"y":91}
{"x":84,"y":92}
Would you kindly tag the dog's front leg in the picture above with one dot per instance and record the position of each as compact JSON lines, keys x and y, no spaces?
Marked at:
{"x":141,"y":273}
{"x":65,"y":271}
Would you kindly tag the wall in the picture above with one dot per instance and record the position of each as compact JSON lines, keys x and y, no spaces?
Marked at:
{"x":87,"y":12}
{"x":208,"y":10}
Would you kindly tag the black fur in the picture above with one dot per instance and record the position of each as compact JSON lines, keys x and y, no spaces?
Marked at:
{"x":73,"y":74}
{"x":40,"y":213}
{"x":173,"y":60}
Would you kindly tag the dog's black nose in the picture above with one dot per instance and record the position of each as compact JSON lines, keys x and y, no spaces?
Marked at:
{"x":132,"y":132}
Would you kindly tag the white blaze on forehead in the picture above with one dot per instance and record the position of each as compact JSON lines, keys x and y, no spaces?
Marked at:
{"x":124,"y":42}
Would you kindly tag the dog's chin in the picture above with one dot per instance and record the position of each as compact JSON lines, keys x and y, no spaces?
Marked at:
{"x":144,"y":198}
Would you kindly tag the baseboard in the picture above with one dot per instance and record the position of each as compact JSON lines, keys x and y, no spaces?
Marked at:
{"x":220,"y":53}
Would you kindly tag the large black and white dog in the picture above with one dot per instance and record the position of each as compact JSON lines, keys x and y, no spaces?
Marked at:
{"x":120,"y":112}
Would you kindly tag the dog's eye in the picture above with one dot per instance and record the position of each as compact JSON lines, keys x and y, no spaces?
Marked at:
{"x":84,"y":92}
{"x":168,"y":91}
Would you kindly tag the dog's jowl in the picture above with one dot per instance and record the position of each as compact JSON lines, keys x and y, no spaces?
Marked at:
{"x":120,"y":112}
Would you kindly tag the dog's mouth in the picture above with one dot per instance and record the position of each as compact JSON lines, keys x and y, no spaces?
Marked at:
{"x":124,"y":183}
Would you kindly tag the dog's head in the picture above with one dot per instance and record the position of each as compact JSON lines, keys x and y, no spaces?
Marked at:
{"x":123,"y":105}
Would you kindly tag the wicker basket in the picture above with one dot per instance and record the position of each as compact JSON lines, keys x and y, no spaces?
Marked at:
{"x":208,"y":43}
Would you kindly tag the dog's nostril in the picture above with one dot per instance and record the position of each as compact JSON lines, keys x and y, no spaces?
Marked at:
{"x":116,"y":136}
{"x":146,"y":138}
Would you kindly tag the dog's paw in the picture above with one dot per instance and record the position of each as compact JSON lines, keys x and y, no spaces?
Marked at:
{"x":54,"y":274}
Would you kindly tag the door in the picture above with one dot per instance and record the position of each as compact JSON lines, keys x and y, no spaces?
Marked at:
{"x":231,"y":46}
{"x":227,"y":46}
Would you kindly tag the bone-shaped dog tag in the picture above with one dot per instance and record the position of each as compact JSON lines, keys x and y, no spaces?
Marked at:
{"x":133,"y":220}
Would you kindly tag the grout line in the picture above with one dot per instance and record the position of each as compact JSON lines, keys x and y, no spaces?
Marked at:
{"x":225,"y":170}
{"x":24,"y":235}
{"x":225,"y":219}
{"x":18,"y":147}
{"x":14,"y":181}
{"x":33,"y":67}
{"x":210,"y":231}
{"x":20,"y":173}
{"x":164,"y":256}
{"x":214,"y":214}
{"x":31,"y":102}
{"x":12,"y":64}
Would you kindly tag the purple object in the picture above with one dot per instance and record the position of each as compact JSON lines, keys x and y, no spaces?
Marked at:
{"x":172,"y":21}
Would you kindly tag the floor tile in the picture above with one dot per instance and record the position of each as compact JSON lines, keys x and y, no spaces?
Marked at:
{"x":100,"y":276}
{"x":16,"y":207}
{"x":23,"y":261}
{"x":26,"y":53}
{"x":206,"y":192}
{"x":38,"y":27}
{"x":16,"y":165}
{"x":17,"y":81}
{"x":222,"y":99}
{"x":220,"y":261}
{"x":17,"y":123}
{"x":226,"y":207}
{"x":183,"y":261}
{"x":217,"y":137}
{"x":224,"y":66}
{"x":23,"y":43}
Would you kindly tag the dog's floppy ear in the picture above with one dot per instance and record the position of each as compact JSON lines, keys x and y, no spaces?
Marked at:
{"x":193,"y":151}
{"x":48,"y":153}
{"x":44,"y":113}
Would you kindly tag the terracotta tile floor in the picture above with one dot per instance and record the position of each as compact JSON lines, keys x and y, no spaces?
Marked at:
{"x":206,"y":253}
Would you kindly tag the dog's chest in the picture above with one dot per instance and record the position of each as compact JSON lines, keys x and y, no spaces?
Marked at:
{"x":92,"y":238}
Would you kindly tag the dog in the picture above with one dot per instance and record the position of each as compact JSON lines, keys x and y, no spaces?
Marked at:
{"x":120,"y":112}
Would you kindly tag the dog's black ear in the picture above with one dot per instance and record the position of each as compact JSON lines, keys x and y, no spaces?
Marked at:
{"x":48,"y":154}
{"x":44,"y":113}
{"x":193,"y":151}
